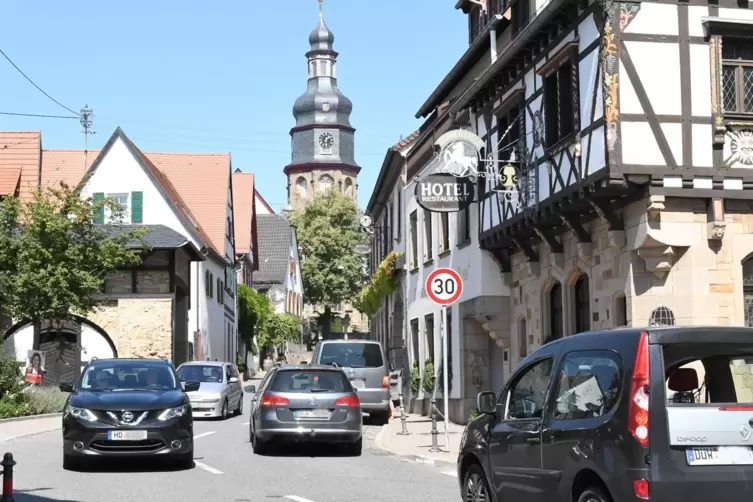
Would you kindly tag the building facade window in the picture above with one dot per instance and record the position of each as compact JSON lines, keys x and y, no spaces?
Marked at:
{"x":582,"y":304}
{"x":555,"y":311}
{"x":414,"y":340}
{"x":429,"y":335}
{"x":620,"y":311}
{"x":662,"y":316}
{"x":326,"y":183}
{"x":119,"y":215}
{"x":428,"y":237}
{"x":444,"y":232}
{"x":464,"y":226}
{"x":413,"y":239}
{"x":522,"y":339}
{"x":737,"y":78}
{"x":560,"y":96}
{"x":748,"y":291}
{"x":301,"y":187}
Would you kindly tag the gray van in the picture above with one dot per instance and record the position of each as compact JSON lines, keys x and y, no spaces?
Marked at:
{"x":365,"y":365}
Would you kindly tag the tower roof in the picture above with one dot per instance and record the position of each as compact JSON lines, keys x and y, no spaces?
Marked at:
{"x":321,"y":39}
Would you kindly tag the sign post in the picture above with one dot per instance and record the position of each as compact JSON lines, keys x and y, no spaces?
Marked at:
{"x":444,"y":286}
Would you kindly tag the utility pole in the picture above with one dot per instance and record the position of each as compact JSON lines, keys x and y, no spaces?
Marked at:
{"x":86,"y":123}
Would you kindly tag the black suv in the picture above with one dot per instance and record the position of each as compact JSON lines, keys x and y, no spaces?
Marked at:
{"x":662,"y":413}
{"x":128,"y":407}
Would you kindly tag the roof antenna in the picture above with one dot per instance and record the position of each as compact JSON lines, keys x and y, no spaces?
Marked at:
{"x":86,"y":123}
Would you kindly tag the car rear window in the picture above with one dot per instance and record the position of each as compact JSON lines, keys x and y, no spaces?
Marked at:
{"x":310,"y":381}
{"x":352,"y":355}
{"x":708,"y":373}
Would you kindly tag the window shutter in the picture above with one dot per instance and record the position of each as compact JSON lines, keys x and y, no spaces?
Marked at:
{"x":137,"y":207}
{"x":99,"y":216}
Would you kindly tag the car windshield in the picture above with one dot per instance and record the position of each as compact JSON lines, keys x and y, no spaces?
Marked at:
{"x":128,"y":375}
{"x":200,"y":373}
{"x":310,"y":381}
{"x":352,"y":355}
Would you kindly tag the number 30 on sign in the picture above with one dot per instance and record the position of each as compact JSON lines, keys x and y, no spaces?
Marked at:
{"x":444,"y":286}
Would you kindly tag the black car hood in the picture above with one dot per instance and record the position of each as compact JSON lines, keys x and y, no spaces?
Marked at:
{"x":128,"y":400}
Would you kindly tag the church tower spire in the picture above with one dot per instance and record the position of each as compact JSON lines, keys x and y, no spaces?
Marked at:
{"x":323,"y":140}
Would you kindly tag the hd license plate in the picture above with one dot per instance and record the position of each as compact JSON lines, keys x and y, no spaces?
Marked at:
{"x":311,"y":414}
{"x":358,"y":384}
{"x":126,"y":435}
{"x":720,"y":455}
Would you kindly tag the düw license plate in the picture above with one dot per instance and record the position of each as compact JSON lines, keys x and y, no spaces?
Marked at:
{"x":720,"y":455}
{"x":126,"y":435}
{"x":311,"y":414}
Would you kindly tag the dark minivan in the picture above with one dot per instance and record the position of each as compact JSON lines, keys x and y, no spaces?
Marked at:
{"x":661,"y":413}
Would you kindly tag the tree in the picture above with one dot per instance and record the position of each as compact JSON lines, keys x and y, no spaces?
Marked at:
{"x":254,"y":312}
{"x":54,"y":259}
{"x":328,"y":231}
{"x":280,"y":328}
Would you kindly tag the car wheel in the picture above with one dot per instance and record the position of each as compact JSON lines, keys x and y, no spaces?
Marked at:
{"x":475,"y":487}
{"x":71,"y":463}
{"x":184,"y":460}
{"x":239,"y":411}
{"x":224,"y":410}
{"x":260,"y":446}
{"x":354,"y":449}
{"x":594,"y":494}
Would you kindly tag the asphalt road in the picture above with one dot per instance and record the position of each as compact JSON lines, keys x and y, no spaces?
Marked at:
{"x":226,"y":470}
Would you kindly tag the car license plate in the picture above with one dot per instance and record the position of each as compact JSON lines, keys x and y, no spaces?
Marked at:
{"x":311,"y":414}
{"x":720,"y":455}
{"x":126,"y":435}
{"x":358,"y":384}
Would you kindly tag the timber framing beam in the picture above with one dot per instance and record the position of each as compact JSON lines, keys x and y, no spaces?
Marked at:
{"x":554,"y":245}
{"x":527,"y":250}
{"x":605,"y":212}
{"x":576,"y":228}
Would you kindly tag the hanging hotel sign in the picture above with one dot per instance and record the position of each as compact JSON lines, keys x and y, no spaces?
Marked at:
{"x":452,"y":175}
{"x":444,"y":193}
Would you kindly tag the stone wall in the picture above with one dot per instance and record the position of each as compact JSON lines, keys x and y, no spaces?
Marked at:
{"x":139,"y":327}
{"x":120,"y":282}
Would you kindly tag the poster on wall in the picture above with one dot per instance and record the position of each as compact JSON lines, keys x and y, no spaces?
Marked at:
{"x":35,"y":367}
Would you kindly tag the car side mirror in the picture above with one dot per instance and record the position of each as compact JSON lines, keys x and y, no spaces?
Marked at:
{"x":251,"y":389}
{"x":66,"y":387}
{"x":486,"y":402}
{"x":233,"y":380}
{"x":191,"y":386}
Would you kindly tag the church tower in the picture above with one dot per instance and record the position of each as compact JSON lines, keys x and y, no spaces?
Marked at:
{"x":323,"y":150}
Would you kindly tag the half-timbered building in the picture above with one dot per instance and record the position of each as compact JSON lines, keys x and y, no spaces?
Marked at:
{"x":619,"y":147}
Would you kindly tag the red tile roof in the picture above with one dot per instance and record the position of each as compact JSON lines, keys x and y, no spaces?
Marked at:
{"x":20,"y":151}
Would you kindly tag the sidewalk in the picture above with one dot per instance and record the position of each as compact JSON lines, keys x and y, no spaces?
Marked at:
{"x":417,"y":444}
{"x":12,"y":428}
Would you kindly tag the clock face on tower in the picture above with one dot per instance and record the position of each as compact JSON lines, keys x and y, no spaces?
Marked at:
{"x":326,"y":140}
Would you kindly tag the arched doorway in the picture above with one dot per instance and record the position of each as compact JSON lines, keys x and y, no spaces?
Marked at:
{"x":67,"y":346}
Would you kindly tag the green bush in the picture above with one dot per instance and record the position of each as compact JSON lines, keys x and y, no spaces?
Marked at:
{"x":42,"y":400}
{"x":415,"y":379}
{"x":10,"y":375}
{"x":13,"y":405}
{"x":427,"y":383}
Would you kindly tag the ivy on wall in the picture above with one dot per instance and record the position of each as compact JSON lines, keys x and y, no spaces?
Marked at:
{"x":382,"y":284}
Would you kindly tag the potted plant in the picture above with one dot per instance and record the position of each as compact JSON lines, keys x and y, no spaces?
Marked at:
{"x":427,"y":383}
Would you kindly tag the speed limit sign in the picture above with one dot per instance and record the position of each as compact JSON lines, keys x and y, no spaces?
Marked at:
{"x":444,"y":286}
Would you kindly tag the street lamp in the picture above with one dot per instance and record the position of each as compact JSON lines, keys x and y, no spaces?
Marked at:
{"x":287,"y":211}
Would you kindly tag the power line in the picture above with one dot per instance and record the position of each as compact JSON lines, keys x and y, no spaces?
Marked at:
{"x":38,"y":115}
{"x":35,"y":85}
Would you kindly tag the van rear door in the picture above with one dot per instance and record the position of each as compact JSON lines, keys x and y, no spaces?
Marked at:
{"x":701,"y":421}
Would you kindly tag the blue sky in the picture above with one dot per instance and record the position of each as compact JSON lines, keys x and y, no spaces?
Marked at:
{"x":198,"y":76}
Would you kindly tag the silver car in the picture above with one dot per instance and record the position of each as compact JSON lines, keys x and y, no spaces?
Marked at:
{"x":365,"y":365}
{"x":220,"y":392}
{"x":305,"y":403}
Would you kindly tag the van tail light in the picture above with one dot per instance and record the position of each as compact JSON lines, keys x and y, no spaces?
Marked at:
{"x":271,"y":400}
{"x":736,"y":408}
{"x":386,"y":382}
{"x":351,"y":401}
{"x":638,"y":419}
{"x":640,"y":487}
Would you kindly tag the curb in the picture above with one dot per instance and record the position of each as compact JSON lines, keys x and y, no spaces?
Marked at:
{"x":29,"y":418}
{"x":421,"y":459}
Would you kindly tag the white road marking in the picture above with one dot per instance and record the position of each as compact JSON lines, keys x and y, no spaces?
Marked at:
{"x":204,"y":434}
{"x":206,"y":467}
{"x":450,"y":473}
{"x":296,"y":498}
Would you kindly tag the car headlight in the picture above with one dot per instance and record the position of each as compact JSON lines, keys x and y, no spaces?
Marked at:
{"x":81,"y":413}
{"x":173,"y":412}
